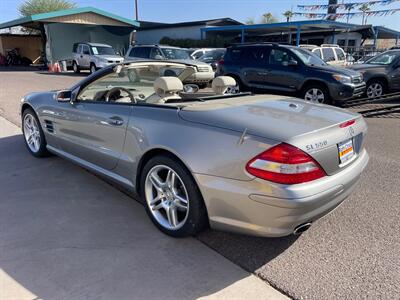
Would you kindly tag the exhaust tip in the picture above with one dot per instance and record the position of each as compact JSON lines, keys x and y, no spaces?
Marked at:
{"x":301,"y":228}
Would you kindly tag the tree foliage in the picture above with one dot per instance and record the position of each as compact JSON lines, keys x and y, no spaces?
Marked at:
{"x":288,"y":15}
{"x":32,"y":7}
{"x":268,"y":18}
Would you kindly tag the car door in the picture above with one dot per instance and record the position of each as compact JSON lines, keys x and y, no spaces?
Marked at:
{"x":85,"y":56}
{"x":284,"y":70}
{"x":394,"y":75}
{"x":254,"y":66}
{"x":90,"y":128}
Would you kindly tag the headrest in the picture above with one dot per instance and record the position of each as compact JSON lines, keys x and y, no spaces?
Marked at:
{"x":221,"y":83}
{"x":167,"y":85}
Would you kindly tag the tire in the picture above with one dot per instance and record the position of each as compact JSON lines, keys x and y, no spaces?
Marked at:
{"x":239,"y":84}
{"x":375,"y":88}
{"x":92,"y":68}
{"x":32,"y":131}
{"x":316,"y":93}
{"x":190,"y":216}
{"x":76,"y":68}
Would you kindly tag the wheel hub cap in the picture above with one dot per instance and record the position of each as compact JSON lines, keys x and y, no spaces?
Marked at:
{"x":31,"y":133}
{"x":166,"y":197}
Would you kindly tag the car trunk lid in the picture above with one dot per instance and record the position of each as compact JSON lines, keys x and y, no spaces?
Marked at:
{"x":311,"y":127}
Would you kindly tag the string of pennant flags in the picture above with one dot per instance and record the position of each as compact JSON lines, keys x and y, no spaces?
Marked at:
{"x":345,"y":6}
{"x":372,"y":13}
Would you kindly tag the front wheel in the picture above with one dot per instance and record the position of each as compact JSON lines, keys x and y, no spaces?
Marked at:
{"x":33,"y":134}
{"x":92,"y":68}
{"x":375,"y":89}
{"x":75,"y":67}
{"x":316,"y":93}
{"x":172,"y":198}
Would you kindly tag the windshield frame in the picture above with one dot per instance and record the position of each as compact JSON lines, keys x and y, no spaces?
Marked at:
{"x":297,"y":51}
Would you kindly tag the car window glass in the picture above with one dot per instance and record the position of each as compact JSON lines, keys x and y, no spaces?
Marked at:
{"x":328,"y":54}
{"x":385,"y":58}
{"x":79,"y":51}
{"x":236,"y":54}
{"x":154,"y":53}
{"x":85,"y":49}
{"x":317,"y":52}
{"x":279,"y":57}
{"x":197,"y":55}
{"x":138,"y":80}
{"x":256,"y":55}
{"x":340,"y":54}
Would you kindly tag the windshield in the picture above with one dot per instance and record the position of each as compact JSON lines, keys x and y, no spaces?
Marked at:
{"x":384,"y":58}
{"x":103,"y":50}
{"x":213,"y":55}
{"x":173,"y":53}
{"x":308,"y":57}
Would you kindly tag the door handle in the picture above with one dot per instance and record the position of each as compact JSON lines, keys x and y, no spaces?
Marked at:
{"x":115,"y":121}
{"x":262,"y":73}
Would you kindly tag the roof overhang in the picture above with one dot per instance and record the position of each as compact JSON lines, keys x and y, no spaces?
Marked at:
{"x":84,"y":15}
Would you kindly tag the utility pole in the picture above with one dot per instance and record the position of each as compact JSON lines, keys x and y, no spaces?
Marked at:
{"x":136,"y":10}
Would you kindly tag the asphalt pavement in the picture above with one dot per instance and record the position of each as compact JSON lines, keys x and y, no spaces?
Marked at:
{"x":353,"y":253}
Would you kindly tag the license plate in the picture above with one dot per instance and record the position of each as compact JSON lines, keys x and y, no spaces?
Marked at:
{"x":346,"y":151}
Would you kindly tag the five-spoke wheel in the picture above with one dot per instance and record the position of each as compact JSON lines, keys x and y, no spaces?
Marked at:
{"x":173,"y":200}
{"x":33,"y":134}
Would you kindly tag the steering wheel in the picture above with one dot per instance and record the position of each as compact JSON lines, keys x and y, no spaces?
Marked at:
{"x":119,"y":89}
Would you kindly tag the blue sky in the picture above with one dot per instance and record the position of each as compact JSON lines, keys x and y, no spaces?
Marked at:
{"x":190,"y":10}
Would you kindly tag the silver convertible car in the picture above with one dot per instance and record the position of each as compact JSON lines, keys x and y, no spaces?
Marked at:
{"x":254,"y":164}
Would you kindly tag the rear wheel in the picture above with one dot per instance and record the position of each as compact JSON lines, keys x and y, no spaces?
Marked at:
{"x":375,"y":88}
{"x":75,"y":67}
{"x":33,"y":134}
{"x":316,"y":93}
{"x":172,"y":198}
{"x":240,"y":86}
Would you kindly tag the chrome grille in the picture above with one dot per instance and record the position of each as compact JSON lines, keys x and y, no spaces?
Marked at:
{"x":357,"y":79}
{"x":203,"y":68}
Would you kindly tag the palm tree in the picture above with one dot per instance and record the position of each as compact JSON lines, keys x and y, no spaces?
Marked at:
{"x":288,"y":14}
{"x":364,"y":8}
{"x":33,"y":7}
{"x":250,"y":21}
{"x":268,"y":18}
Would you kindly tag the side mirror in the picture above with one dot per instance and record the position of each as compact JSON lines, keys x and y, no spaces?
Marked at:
{"x":64,"y":96}
{"x":158,"y":57}
{"x":293,"y":63}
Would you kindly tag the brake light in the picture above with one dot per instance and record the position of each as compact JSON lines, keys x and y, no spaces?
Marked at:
{"x":347,"y":124}
{"x":221,"y":62}
{"x":285,"y":164}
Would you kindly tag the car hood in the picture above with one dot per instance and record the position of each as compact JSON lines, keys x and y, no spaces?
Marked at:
{"x":365,"y":67}
{"x":337,"y":70}
{"x":270,"y":116}
{"x":110,"y":57}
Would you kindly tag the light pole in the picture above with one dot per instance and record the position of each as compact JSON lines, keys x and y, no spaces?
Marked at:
{"x":136,"y":10}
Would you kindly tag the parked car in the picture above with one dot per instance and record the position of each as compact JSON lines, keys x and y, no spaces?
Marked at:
{"x":213,"y":57}
{"x":331,"y":54}
{"x":366,"y":57}
{"x":93,"y":56}
{"x":381,"y":73}
{"x":256,"y":164}
{"x":283,"y":68}
{"x":202,"y":77}
{"x":197,"y":53}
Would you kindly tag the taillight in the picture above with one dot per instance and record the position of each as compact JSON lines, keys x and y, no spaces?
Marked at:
{"x":221,"y":62}
{"x":285,"y":164}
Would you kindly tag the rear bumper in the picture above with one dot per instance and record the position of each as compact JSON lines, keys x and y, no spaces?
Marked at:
{"x":342,"y":92}
{"x":247,"y":206}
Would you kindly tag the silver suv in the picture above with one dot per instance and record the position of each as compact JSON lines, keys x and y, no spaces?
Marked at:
{"x":93,"y":56}
{"x":202,"y":77}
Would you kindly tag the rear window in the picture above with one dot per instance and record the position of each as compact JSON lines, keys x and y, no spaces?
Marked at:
{"x":140,"y":52}
{"x":328,"y":54}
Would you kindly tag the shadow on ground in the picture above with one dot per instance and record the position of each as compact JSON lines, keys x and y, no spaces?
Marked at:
{"x":65,"y":234}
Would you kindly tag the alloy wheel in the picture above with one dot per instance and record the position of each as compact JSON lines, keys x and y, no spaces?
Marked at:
{"x":374,"y":90}
{"x":315,"y":95}
{"x":32,"y":133}
{"x":166,"y":197}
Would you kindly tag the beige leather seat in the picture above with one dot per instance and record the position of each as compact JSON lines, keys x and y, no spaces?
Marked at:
{"x":222,"y":84}
{"x":165,"y":88}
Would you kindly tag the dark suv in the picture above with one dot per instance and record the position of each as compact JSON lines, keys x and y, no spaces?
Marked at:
{"x":290,"y":69}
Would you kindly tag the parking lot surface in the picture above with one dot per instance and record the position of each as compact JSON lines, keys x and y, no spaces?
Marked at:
{"x":353,"y":253}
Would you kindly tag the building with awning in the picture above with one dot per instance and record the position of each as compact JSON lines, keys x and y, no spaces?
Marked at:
{"x":63,"y":28}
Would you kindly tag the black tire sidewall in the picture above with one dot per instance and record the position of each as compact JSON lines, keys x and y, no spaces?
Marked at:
{"x":43,"y":152}
{"x":77,"y":67}
{"x":197,"y":219}
{"x":327,"y":97}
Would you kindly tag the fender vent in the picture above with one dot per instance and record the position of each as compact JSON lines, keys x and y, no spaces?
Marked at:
{"x":49,"y":126}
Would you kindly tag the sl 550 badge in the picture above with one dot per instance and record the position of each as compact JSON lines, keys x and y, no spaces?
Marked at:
{"x":316,"y":146}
